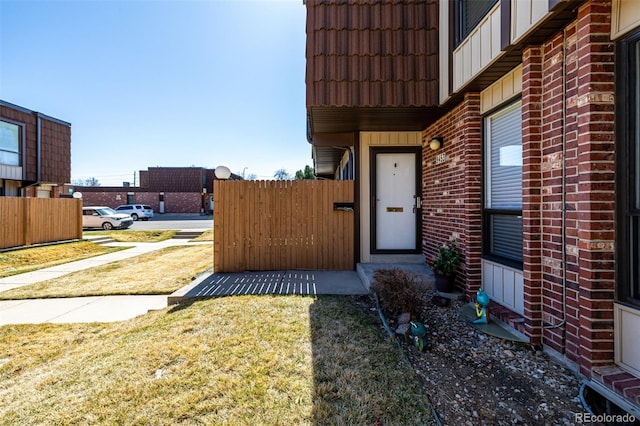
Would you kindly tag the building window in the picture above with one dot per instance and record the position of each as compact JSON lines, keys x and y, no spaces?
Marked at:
{"x":468,"y":14}
{"x":10,"y":143}
{"x":130,"y":198}
{"x":503,"y":186}
{"x":628,"y":169}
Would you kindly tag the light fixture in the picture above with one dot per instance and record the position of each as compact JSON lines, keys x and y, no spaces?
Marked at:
{"x":436,"y":143}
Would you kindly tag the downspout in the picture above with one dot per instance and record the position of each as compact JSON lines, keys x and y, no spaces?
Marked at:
{"x":563,"y":185}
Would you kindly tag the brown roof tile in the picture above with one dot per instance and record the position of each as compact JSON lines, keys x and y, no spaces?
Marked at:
{"x":372,"y":53}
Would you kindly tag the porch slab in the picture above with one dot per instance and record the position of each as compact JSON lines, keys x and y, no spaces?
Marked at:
{"x":307,"y":283}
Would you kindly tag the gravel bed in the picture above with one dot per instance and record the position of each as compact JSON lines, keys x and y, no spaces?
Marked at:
{"x":476,"y":379}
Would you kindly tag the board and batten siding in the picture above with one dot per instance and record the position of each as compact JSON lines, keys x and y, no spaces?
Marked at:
{"x":627,"y":324}
{"x":478,"y":50}
{"x":367,"y":141}
{"x":483,"y":45}
{"x":625,"y":17}
{"x":504,"y":285}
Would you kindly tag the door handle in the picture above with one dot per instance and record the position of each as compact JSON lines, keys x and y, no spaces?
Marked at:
{"x":418,"y":205}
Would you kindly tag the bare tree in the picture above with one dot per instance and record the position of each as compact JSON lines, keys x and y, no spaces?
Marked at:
{"x":92,"y":181}
{"x":281,"y":174}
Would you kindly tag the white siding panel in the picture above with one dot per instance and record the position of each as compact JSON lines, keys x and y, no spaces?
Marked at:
{"x":508,"y":293}
{"x":494,"y":41}
{"x":487,"y":278}
{"x":502,"y":90}
{"x":444,"y":50}
{"x":10,"y":172}
{"x":625,"y":17}
{"x":525,"y":15}
{"x":478,"y":50}
{"x":485,"y":44}
{"x":466,"y":60}
{"x":504,"y":285}
{"x":520,"y":17}
{"x":538,"y":10}
{"x":519,"y":293}
{"x":476,"y":53}
{"x":498,"y":284}
{"x":627,"y":338}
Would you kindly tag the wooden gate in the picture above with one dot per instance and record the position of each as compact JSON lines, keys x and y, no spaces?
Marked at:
{"x":279,"y":225}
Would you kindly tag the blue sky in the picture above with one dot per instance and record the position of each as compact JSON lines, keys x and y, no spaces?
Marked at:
{"x":162,"y":83}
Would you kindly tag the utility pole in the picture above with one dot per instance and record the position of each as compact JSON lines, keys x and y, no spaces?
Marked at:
{"x":134,"y":179}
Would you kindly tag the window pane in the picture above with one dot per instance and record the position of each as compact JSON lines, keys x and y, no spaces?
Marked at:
{"x":504,"y":174}
{"x":9,"y":158}
{"x":506,"y":236}
{"x":9,"y":137}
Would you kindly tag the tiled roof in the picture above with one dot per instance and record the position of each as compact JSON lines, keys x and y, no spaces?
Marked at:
{"x":372,"y":53}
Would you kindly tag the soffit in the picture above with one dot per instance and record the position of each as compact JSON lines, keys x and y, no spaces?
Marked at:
{"x":346,"y":119}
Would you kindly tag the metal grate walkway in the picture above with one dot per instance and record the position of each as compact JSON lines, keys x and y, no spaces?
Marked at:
{"x":305,"y":283}
{"x":301,"y":283}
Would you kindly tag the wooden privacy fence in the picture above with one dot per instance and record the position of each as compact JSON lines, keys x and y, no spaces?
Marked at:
{"x":28,"y":221}
{"x":279,"y":225}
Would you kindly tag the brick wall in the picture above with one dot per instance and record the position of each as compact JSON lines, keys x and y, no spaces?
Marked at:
{"x":451,"y":190}
{"x":569,"y":293}
{"x":174,"y":179}
{"x":568,"y":161}
{"x":174,"y":202}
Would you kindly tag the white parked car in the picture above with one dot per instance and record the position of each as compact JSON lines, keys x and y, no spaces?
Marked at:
{"x":105,"y":218}
{"x":136,"y":211}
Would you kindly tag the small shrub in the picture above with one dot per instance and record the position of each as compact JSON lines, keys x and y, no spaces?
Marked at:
{"x":398,"y":291}
{"x":447,"y":259}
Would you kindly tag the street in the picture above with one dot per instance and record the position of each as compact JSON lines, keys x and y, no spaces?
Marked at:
{"x":174,"y":221}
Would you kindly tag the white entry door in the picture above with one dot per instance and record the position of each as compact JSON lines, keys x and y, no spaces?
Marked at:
{"x":396,"y":202}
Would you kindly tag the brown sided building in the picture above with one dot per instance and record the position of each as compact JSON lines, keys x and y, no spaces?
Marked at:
{"x":35,"y":153}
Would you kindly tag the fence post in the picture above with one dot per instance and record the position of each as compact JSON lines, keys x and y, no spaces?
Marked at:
{"x":26,"y":220}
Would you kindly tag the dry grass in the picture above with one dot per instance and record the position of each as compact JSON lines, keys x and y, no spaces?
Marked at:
{"x":158,"y":272}
{"x":127,"y":236}
{"x":249,"y":360}
{"x":25,"y":260}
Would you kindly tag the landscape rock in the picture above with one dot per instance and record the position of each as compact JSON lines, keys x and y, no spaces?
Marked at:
{"x":473,"y":378}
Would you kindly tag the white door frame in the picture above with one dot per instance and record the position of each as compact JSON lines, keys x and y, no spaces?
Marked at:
{"x":417,"y":191}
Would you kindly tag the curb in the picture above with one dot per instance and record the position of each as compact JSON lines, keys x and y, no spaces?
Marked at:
{"x":179,"y":295}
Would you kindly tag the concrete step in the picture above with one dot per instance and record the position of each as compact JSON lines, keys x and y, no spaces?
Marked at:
{"x":100,"y":240}
{"x":187,"y":235}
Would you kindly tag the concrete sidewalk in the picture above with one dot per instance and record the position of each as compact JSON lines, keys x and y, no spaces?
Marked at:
{"x":78,"y":309}
{"x":82,"y":309}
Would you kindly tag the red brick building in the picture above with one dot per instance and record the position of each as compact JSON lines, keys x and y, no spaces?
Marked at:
{"x":165,"y":189}
{"x":535,"y":106}
{"x":35,"y":153}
